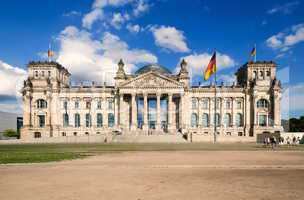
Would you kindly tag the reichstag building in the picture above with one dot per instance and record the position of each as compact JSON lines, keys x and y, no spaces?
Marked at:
{"x":152,"y":101}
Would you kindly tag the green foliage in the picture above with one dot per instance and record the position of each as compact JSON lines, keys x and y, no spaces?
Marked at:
{"x":33,"y":153}
{"x":296,"y":125}
{"x":302,"y":140}
{"x":10,"y":133}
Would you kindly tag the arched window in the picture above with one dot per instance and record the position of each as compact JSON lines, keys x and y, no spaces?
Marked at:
{"x":77,"y":120}
{"x":205,"y":120}
{"x":262,"y":103}
{"x":254,"y":74}
{"x":227,"y":120}
{"x":194,"y":120}
{"x":262,"y":75}
{"x":111,"y":120}
{"x":65,"y":120}
{"x":88,"y":120}
{"x":239,"y":120}
{"x":41,"y":103}
{"x":217,"y":119}
{"x":99,"y":120}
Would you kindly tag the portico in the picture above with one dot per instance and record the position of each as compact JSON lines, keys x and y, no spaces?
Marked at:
{"x":149,"y":110}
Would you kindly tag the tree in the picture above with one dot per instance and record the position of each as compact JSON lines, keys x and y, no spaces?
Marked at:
{"x":302,"y":140}
{"x":11,"y":133}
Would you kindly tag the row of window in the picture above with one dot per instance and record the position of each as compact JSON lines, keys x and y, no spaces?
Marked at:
{"x":88,"y":104}
{"x":88,"y":120}
{"x":261,"y":74}
{"x":204,"y":103}
{"x":42,"y":73}
{"x":227,"y":120}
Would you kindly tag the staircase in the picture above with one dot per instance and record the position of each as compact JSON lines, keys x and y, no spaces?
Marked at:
{"x":151,"y":137}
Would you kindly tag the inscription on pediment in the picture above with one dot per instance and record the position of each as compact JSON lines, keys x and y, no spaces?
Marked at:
{"x":152,"y":81}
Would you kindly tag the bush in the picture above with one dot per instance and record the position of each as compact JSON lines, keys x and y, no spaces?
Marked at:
{"x":302,"y":140}
{"x":10,"y":133}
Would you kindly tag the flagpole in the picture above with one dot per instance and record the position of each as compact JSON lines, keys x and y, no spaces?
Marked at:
{"x":214,"y":134}
{"x":255,"y":53}
{"x":49,"y":58}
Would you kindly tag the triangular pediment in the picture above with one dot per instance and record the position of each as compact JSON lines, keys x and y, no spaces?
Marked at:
{"x":151,"y":80}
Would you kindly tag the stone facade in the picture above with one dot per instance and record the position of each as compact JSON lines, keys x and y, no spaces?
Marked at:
{"x":152,"y":101}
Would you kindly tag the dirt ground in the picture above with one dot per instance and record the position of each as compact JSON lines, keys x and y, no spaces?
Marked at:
{"x":160,"y":175}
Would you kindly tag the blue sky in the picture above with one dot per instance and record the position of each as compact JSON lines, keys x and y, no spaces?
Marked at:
{"x":94,"y":34}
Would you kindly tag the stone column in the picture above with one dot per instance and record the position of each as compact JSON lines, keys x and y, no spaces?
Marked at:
{"x":116,"y":109}
{"x":170,"y":113}
{"x":181,"y":125}
{"x":134,"y":112}
{"x":199,"y":117}
{"x":145,"y":113}
{"x":222,"y":114}
{"x":158,"y":118}
{"x":120,"y":112}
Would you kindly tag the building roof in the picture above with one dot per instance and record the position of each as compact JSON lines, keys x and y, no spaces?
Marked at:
{"x":153,"y":67}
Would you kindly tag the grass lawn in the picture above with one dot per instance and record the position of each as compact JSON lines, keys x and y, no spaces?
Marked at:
{"x":33,"y":153}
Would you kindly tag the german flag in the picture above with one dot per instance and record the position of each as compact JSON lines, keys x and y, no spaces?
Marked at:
{"x":211,"y":68}
{"x":50,"y":53}
{"x":253,"y":51}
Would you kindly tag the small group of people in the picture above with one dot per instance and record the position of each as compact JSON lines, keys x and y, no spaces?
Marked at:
{"x":274,"y":141}
{"x":271,"y":141}
{"x":293,"y":140}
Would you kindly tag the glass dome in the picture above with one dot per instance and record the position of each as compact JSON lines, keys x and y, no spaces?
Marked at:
{"x":153,"y":67}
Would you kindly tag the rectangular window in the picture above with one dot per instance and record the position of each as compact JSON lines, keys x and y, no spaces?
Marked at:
{"x":194,"y":103}
{"x":88,"y":105}
{"x":239,"y":105}
{"x":111,"y":120}
{"x":41,"y":119}
{"x":65,"y":120}
{"x":77,"y":120}
{"x":110,"y":104}
{"x":76,"y":104}
{"x":88,"y":120}
{"x":99,"y":104}
{"x":99,"y":120}
{"x":228,"y":104}
{"x":205,"y":103}
{"x":65,"y":105}
{"x":37,"y":135}
{"x":262,"y":120}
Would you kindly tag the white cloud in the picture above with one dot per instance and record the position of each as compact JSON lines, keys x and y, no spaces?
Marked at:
{"x":198,"y":62}
{"x":141,"y":7}
{"x":283,"y":41}
{"x":97,"y":12}
{"x":11,"y":79}
{"x":170,"y":38}
{"x":90,"y":59}
{"x":72,"y":13}
{"x":292,"y":99}
{"x":134,"y":28}
{"x":227,"y":79}
{"x":91,"y":17}
{"x":118,"y":19}
{"x":286,"y":8}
